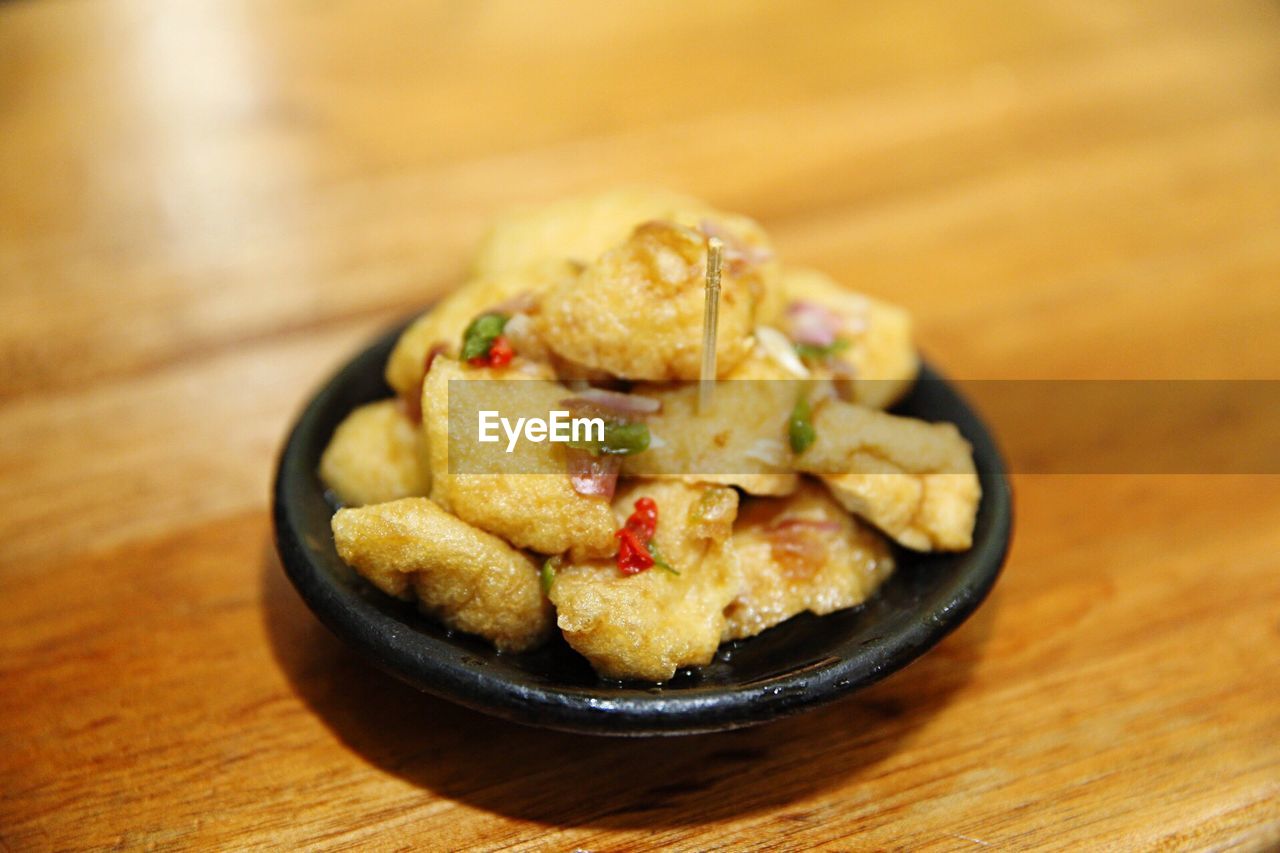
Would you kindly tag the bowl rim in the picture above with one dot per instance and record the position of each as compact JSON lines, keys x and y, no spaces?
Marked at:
{"x":438,"y":666}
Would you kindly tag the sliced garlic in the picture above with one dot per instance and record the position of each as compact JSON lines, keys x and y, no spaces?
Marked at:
{"x":778,"y":347}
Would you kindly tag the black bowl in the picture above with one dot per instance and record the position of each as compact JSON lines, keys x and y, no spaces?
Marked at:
{"x":799,"y":664}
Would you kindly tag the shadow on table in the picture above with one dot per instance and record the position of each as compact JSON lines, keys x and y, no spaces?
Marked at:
{"x":571,"y":780}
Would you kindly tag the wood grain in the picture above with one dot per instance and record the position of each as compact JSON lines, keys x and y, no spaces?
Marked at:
{"x":205,"y":207}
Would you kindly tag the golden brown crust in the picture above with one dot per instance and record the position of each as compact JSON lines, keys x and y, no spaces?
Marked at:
{"x":446,"y":321}
{"x":801,"y":553}
{"x":739,"y":440}
{"x":648,"y":625}
{"x":636,"y":312}
{"x":373,"y":456}
{"x":913,"y":480}
{"x":469,"y":580}
{"x":539,"y":511}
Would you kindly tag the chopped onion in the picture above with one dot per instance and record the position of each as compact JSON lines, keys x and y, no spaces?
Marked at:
{"x":532,"y":369}
{"x":812,"y":324}
{"x":592,"y":475}
{"x":613,"y":402}
{"x":778,"y":348}
{"x":800,"y":555}
{"x":524,"y":340}
{"x":795,"y":548}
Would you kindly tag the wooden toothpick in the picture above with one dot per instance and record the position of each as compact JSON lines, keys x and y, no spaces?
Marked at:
{"x":710,"y":322}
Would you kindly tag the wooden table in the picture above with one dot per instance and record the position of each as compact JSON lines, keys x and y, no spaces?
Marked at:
{"x":205,"y":207}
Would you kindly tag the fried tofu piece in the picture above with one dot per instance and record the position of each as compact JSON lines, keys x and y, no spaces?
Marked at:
{"x":468,"y":579}
{"x":880,"y":363}
{"x":373,"y":456}
{"x":914,"y":480}
{"x":739,"y":441}
{"x":636,"y":312}
{"x":577,"y":229}
{"x":648,"y":625}
{"x":742,"y":440}
{"x":524,"y":496}
{"x":801,"y":553}
{"x":444,"y":324}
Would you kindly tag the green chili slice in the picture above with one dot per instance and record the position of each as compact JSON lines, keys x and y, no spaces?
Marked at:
{"x":549,"y":574}
{"x":817,"y":353}
{"x":658,"y":559}
{"x":625,"y":438}
{"x":479,"y":336}
{"x":800,"y":426}
{"x":620,"y":439}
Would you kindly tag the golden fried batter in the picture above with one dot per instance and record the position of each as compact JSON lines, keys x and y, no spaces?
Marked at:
{"x":801,"y":553}
{"x":739,"y":441}
{"x":373,"y":456}
{"x":648,"y":625}
{"x":444,"y":324}
{"x":913,"y":480}
{"x":540,"y":511}
{"x":469,"y":580}
{"x":636,"y":312}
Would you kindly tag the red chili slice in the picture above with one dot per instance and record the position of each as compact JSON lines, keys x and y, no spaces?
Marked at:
{"x":499,"y":355}
{"x":633,"y":556}
{"x":633,"y":538}
{"x":644,"y":521}
{"x":500,"y":352}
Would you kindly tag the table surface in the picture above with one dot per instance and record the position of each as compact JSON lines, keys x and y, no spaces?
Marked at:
{"x":205,"y":207}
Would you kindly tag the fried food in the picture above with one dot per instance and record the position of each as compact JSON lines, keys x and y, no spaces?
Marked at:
{"x":592,"y":309}
{"x":373,"y":456}
{"x":801,"y":553}
{"x":529,"y":509}
{"x":646,"y":626}
{"x":469,"y":580}
{"x":444,"y":324}
{"x":636,"y":311}
{"x":740,"y":440}
{"x":877,"y":362}
{"x":912,"y":479}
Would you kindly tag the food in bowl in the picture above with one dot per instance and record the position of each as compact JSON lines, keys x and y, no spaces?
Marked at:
{"x":675,"y":521}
